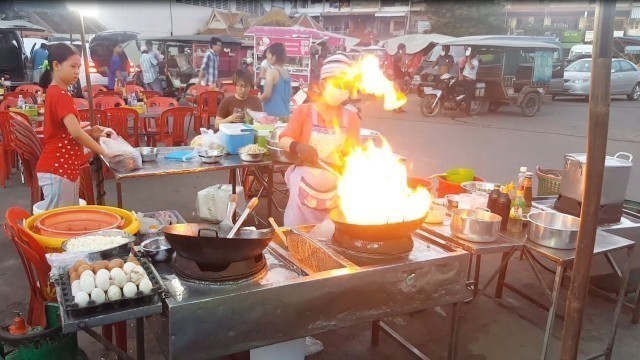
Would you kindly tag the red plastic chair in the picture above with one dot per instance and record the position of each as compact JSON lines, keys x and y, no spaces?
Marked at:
{"x":207,"y":108}
{"x":94,"y":89}
{"x":30,"y":88}
{"x":162,"y":102}
{"x":107,"y":102}
{"x":7,"y":151}
{"x":150,"y":94}
{"x":8,"y":103}
{"x":118,"y":119}
{"x":229,"y":89}
{"x":81,"y":103}
{"x":133,"y":88}
{"x":173,"y":134}
{"x":99,"y":115}
{"x":191,"y":95}
{"x":29,"y":97}
{"x":29,"y":148}
{"x":108,"y":93}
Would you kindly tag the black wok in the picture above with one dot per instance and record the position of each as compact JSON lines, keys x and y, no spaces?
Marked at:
{"x":208,"y":244}
{"x":374,"y":233}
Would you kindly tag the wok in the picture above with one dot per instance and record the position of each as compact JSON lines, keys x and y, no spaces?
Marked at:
{"x":374,"y":233}
{"x":208,"y":244}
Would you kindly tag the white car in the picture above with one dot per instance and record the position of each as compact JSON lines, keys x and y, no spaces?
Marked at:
{"x":100,"y":52}
{"x":625,"y":79}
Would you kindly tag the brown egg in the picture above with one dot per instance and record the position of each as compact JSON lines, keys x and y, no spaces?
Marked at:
{"x":83,"y":268}
{"x":96,"y":266}
{"x":131,"y":258}
{"x":73,"y":277}
{"x":77,"y":264}
{"x":115,"y":263}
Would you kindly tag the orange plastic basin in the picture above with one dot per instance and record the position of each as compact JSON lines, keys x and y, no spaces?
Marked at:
{"x":77,"y":222}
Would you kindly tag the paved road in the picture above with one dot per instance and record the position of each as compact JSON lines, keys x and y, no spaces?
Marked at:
{"x":496,"y":145}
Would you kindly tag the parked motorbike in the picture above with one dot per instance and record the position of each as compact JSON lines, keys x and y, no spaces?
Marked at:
{"x":445,"y":93}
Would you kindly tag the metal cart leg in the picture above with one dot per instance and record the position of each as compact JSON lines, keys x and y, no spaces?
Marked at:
{"x":503,"y":274}
{"x":476,"y":276}
{"x":121,"y":354}
{"x":552,"y":310}
{"x":453,"y":334}
{"x":119,"y":192}
{"x":620,"y":301}
{"x":269,"y":190}
{"x":635,"y":315}
{"x":375,"y":332}
{"x":140,"y":338}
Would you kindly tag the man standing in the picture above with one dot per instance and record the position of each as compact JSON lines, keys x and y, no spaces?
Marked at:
{"x":398,"y":63}
{"x":149,"y":65}
{"x":444,"y":62}
{"x":209,"y":69}
{"x":469,"y":78}
{"x":155,"y":53}
{"x":38,"y":58}
{"x":116,"y":68}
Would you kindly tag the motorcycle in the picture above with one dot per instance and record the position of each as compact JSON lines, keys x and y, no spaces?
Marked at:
{"x":445,"y":93}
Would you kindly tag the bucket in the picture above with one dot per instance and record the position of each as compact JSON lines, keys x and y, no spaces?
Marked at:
{"x":460,"y":175}
{"x":38,"y":207}
{"x":447,"y":187}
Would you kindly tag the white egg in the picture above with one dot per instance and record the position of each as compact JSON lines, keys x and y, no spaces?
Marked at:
{"x":102,"y":280}
{"x":114,"y":293}
{"x":115,"y":271}
{"x":87,"y":284}
{"x":75,"y":287}
{"x":128,"y":267}
{"x":129,"y":290}
{"x":81,"y":298}
{"x":87,"y":273}
{"x":145,"y":286}
{"x":103,"y":271}
{"x":97,"y":295}
{"x":137,"y":274}
{"x":120,"y":279}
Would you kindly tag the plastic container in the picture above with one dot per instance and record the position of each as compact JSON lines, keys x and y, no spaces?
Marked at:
{"x":235,"y":136}
{"x":38,"y":207}
{"x":447,"y":187}
{"x":76,"y":222}
{"x":548,"y":181}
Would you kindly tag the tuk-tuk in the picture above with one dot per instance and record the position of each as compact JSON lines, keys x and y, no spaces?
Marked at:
{"x":511,"y":72}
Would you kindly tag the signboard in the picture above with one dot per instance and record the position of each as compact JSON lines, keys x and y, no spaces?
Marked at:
{"x":422,"y":26}
{"x":588,"y":35}
{"x":571,"y":36}
{"x":292,"y":46}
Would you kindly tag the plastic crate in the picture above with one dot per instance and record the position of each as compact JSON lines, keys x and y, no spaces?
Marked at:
{"x":548,"y":181}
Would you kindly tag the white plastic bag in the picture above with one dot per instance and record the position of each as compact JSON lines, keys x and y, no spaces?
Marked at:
{"x":207,"y":140}
{"x":211,"y":204}
{"x":61,"y":262}
{"x":121,"y":156}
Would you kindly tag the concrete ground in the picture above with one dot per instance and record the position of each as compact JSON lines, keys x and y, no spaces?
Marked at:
{"x":495,"y":145}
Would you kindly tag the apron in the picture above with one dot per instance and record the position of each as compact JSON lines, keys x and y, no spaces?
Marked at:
{"x":312,"y":191}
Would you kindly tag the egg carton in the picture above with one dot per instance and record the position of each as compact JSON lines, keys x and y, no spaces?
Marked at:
{"x":63,"y":283}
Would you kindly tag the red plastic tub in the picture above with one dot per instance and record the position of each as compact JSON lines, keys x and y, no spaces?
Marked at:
{"x":446,"y":187}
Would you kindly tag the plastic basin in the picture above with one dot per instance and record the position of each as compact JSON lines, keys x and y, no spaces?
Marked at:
{"x":76,"y":222}
{"x":460,"y":175}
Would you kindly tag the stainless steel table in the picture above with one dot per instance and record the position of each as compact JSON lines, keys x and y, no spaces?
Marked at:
{"x":163,"y":167}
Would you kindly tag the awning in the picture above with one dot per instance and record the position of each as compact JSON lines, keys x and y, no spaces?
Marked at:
{"x":634,"y":50}
{"x":635,"y":12}
{"x":391,"y":13}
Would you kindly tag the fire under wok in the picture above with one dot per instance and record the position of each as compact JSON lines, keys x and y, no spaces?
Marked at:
{"x":374,"y":233}
{"x":208,"y":243}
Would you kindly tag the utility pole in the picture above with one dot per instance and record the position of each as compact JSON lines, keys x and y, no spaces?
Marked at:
{"x":171,"y":16}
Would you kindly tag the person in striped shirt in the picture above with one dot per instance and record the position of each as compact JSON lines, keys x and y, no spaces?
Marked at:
{"x":150,"y":76}
{"x":209,"y":69}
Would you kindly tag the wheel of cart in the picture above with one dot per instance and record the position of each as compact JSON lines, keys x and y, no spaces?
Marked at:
{"x":530,"y":102}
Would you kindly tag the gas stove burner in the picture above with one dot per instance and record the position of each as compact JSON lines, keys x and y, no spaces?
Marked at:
{"x":233,"y":273}
{"x":377,"y":249}
{"x":608,"y":214}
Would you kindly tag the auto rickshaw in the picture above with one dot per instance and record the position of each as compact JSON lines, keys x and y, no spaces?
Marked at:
{"x":514,"y":72}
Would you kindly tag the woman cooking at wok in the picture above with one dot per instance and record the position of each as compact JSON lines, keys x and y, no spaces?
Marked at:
{"x":322,"y":130}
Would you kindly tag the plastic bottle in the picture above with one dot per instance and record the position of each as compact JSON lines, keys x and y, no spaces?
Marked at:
{"x":132,"y":100}
{"x":503,"y":205}
{"x":523,"y":171}
{"x":527,"y":184}
{"x":21,"y":102}
{"x":2,"y":89}
{"x":493,"y":198}
{"x":516,"y":212}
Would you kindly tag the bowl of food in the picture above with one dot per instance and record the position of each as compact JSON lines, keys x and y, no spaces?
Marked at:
{"x":148,"y":153}
{"x":252,"y":153}
{"x":158,"y":249}
{"x":104,"y":245}
{"x":211,"y":156}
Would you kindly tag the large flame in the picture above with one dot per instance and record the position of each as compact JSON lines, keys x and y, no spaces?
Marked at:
{"x":373,"y":188}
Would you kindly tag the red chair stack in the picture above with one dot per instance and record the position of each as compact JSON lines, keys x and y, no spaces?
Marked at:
{"x":173,"y":134}
{"x":107,"y":102}
{"x":118,"y":120}
{"x":207,"y":108}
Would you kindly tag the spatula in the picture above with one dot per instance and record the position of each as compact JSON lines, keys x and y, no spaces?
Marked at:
{"x":278,"y":230}
{"x":231,"y":209}
{"x":252,"y":204}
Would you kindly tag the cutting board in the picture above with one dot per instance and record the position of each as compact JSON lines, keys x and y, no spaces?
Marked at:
{"x":181,"y":155}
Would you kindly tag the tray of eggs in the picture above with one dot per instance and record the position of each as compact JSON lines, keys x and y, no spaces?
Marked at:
{"x":105,"y":285}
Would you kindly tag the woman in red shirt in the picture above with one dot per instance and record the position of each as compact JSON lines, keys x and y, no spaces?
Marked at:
{"x":322,"y":130}
{"x":59,"y":165}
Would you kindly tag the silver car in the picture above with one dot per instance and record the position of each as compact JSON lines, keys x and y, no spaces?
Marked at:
{"x":625,"y":79}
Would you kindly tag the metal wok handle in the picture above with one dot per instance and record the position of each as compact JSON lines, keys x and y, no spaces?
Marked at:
{"x":567,"y":158}
{"x":624,"y":153}
{"x":214,"y":230}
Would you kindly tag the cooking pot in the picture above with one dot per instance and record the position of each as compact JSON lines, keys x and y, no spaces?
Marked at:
{"x":554,"y":230}
{"x":614,"y":185}
{"x":475,"y":225}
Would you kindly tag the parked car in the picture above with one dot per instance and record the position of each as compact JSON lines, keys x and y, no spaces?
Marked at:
{"x":14,"y":59}
{"x":100,"y":52}
{"x":571,"y":59}
{"x":625,"y":79}
{"x":582,"y":49}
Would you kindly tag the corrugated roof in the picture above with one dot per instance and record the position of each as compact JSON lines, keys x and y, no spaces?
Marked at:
{"x":635,"y":12}
{"x":64,"y":22}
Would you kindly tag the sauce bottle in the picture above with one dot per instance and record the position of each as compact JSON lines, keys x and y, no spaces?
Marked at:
{"x":527,"y":185}
{"x":516,"y":212}
{"x":503,"y":205}
{"x":493,"y":198}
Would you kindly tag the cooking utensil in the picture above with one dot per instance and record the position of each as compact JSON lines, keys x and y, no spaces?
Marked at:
{"x":381,"y":232}
{"x":278,"y":230}
{"x":477,"y":225}
{"x":252,"y":204}
{"x":553,"y":229}
{"x":614,"y":183}
{"x":208,"y":243}
{"x":251,"y":157}
{"x":76,"y":222}
{"x":119,"y":251}
{"x":452,"y":200}
{"x":231,"y":209}
{"x":157,"y":249}
{"x":211,"y":156}
{"x":328,"y":168}
{"x":482,"y":186}
{"x":148,"y":153}
{"x":278,"y":154}
{"x":415,"y":182}
{"x":436,"y":214}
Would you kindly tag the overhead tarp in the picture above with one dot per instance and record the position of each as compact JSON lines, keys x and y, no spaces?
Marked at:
{"x":635,"y":13}
{"x":499,"y":42}
{"x":195,"y":38}
{"x":632,"y":50}
{"x":390,"y":13}
{"x":414,"y":42}
{"x":297,"y":31}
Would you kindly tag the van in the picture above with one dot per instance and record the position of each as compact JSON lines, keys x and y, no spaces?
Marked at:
{"x":14,"y":59}
{"x":580,"y":49}
{"x":100,"y":52}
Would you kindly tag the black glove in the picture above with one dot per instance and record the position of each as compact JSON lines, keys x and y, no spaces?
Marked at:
{"x":305,"y":152}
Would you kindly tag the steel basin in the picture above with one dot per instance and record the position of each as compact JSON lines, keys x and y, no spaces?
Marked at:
{"x":553,"y":229}
{"x":475,"y":225}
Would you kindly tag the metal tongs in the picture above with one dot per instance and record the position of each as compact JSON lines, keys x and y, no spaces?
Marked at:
{"x":329,"y":168}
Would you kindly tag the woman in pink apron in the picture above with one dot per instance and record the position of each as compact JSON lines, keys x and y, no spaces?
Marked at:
{"x":322,"y":130}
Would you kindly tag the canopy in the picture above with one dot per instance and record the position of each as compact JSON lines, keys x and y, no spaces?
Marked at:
{"x":414,"y":42}
{"x":632,"y":50}
{"x":296,"y":31}
{"x":195,"y":38}
{"x":500,"y":42}
{"x":306,"y":21}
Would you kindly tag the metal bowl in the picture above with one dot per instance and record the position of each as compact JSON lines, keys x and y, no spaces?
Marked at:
{"x":158,"y":249}
{"x":148,"y":153}
{"x":475,"y":225}
{"x":482,"y":186}
{"x":554,"y":230}
{"x":279,"y":155}
{"x":251,"y":157}
{"x":120,"y":251}
{"x":211,"y":156}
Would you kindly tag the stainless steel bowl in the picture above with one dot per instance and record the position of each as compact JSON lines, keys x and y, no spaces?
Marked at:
{"x":278,"y":154}
{"x":554,"y":230}
{"x":211,"y":156}
{"x":482,"y":186}
{"x":251,"y":157}
{"x":475,"y":225}
{"x":158,"y":249}
{"x":148,"y":153}
{"x":120,"y":251}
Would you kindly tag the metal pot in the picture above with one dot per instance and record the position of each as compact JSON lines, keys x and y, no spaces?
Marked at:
{"x":554,"y":230}
{"x":475,"y":225}
{"x":614,"y":184}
